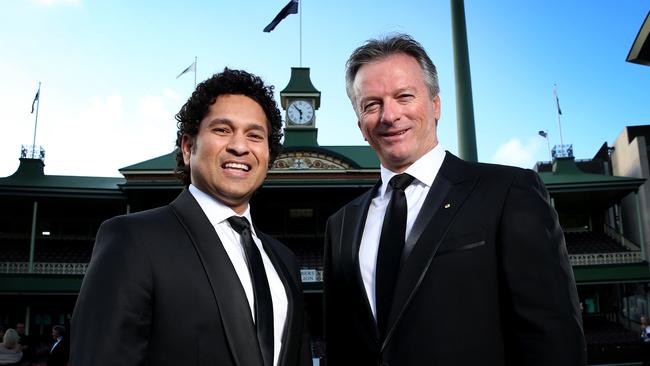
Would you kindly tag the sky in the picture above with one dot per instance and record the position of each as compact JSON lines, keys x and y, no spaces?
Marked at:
{"x":109,"y":89}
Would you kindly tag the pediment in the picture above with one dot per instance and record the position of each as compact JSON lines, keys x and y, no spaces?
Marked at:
{"x":308,"y":160}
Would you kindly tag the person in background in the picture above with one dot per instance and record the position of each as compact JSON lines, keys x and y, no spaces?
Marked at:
{"x":27,"y":344}
{"x":645,"y":340}
{"x":10,"y":351}
{"x":59,"y":352}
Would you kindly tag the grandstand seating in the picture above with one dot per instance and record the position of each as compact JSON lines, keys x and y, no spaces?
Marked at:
{"x":584,"y":242}
{"x":309,"y":257}
{"x":608,"y":341}
{"x":46,"y":250}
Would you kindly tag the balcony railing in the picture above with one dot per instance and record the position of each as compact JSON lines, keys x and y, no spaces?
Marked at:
{"x":44,"y":268}
{"x":592,"y":259}
{"x":308,"y":275}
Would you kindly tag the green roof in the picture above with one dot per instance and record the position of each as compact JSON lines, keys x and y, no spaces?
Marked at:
{"x":362,"y":157}
{"x":31,"y":177}
{"x":164,"y":163}
{"x":566,"y":176}
{"x":574,"y":190}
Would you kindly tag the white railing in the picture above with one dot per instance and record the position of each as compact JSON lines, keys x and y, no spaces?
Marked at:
{"x":307,"y":275}
{"x":43,"y":268}
{"x":592,"y":259}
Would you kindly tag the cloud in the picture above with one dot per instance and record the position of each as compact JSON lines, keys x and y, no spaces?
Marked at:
{"x":155,"y":119}
{"x":97,"y":135}
{"x":86,"y":141}
{"x":515,"y":152}
{"x":171,"y":94}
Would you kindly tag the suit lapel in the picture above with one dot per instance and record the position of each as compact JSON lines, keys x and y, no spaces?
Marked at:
{"x":451,"y":187}
{"x":352,"y":233}
{"x":434,"y":200}
{"x":293,"y":326}
{"x":228,"y":292}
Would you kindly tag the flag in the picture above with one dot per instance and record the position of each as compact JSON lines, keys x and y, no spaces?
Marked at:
{"x":542,"y":133}
{"x":38,"y":92}
{"x":290,"y":8}
{"x":190,"y":68}
{"x":557,"y":100}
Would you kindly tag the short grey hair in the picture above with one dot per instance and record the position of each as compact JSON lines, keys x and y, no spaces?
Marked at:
{"x":376,"y":49}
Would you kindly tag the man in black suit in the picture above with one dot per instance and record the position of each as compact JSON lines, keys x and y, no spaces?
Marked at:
{"x":452,"y":263}
{"x":58,"y":355}
{"x":193,"y":283}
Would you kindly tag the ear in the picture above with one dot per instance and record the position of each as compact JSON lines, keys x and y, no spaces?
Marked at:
{"x":187,"y":146}
{"x":436,"y":107}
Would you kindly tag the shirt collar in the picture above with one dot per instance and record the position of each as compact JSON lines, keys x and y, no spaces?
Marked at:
{"x":215,"y":210}
{"x":424,"y":170}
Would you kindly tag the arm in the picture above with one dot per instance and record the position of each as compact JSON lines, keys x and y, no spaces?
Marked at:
{"x":332,"y":321}
{"x":543,"y":323}
{"x":112,"y":317}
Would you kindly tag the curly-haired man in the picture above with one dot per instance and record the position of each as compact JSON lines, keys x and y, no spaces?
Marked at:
{"x":193,"y":282}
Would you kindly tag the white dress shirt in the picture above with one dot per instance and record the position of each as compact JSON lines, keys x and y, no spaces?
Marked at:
{"x":424,"y":170}
{"x":218,"y":214}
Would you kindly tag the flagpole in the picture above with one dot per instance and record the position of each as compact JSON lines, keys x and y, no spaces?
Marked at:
{"x":559,"y":114}
{"x":195,"y":66}
{"x":38,"y":104}
{"x":300,"y":30}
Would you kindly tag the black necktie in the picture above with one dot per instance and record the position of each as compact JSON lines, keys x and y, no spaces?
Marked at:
{"x":261,"y":290}
{"x":391,"y":245}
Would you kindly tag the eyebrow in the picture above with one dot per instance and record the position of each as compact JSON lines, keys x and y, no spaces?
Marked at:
{"x":249,"y":125}
{"x":395,"y":92}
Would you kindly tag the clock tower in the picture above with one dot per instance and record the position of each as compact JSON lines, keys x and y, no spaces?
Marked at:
{"x":300,"y":100}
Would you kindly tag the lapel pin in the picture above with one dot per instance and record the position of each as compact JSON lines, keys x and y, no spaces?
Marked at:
{"x":447,"y":205}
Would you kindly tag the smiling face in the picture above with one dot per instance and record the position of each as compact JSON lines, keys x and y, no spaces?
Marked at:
{"x":229,"y":156}
{"x":397,"y":115}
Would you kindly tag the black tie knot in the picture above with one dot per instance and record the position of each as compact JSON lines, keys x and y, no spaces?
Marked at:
{"x":239,"y":224}
{"x":400,"y":181}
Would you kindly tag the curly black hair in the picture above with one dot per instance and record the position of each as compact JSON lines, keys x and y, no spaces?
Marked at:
{"x":233,"y":82}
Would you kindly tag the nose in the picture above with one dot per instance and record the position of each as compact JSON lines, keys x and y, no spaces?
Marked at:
{"x":238,"y":144}
{"x":390,"y":112}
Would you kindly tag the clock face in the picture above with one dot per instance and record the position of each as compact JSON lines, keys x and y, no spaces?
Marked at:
{"x":300,"y":112}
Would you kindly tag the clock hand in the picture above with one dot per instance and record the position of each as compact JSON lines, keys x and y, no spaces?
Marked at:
{"x":298,"y":109}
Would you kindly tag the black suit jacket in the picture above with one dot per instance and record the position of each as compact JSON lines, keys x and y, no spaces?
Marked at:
{"x":486,"y":279}
{"x":59,"y":355}
{"x":161,"y":290}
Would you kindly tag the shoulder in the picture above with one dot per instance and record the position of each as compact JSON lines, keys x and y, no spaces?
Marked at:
{"x":130,"y":233}
{"x":141,"y":220}
{"x":458,"y":169}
